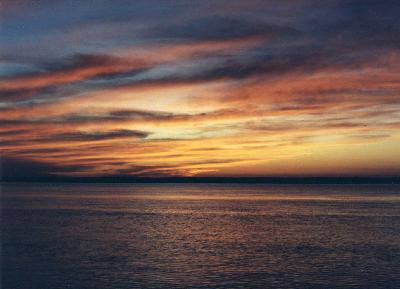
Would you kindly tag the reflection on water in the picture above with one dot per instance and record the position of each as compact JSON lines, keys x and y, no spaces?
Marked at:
{"x":200,"y":236}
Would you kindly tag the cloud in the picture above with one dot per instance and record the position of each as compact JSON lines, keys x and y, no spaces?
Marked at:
{"x":261,"y":61}
{"x":96,"y":136}
{"x":76,"y":68}
{"x":83,"y":73}
{"x":17,"y":94}
{"x":365,"y":25}
{"x":283,"y":127}
{"x":26,"y":169}
{"x":115,"y":116}
{"x":79,"y":136}
{"x":13,"y":132}
{"x":220,"y":28}
{"x":149,"y":171}
{"x":372,"y":137}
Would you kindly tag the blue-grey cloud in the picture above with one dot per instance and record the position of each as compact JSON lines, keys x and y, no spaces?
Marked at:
{"x":12,"y":168}
{"x":219,"y":28}
{"x":96,"y":136}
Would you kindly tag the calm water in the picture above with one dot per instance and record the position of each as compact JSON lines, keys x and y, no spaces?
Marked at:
{"x":200,"y":236}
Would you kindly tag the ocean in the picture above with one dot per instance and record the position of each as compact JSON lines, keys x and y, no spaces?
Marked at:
{"x":89,"y":236}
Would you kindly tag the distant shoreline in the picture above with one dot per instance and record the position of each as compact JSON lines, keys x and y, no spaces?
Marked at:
{"x":222,"y":180}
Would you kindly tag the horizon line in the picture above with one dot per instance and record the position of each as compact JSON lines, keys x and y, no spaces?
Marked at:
{"x":237,"y":180}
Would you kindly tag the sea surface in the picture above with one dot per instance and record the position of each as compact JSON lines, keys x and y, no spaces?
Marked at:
{"x":89,"y":236}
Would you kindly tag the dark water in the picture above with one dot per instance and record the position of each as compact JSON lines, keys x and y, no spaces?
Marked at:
{"x":200,"y":236}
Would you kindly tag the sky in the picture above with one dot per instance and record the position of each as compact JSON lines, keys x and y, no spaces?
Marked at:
{"x":199,"y":88}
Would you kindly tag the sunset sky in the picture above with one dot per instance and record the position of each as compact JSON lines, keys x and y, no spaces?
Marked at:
{"x":200,"y":88}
